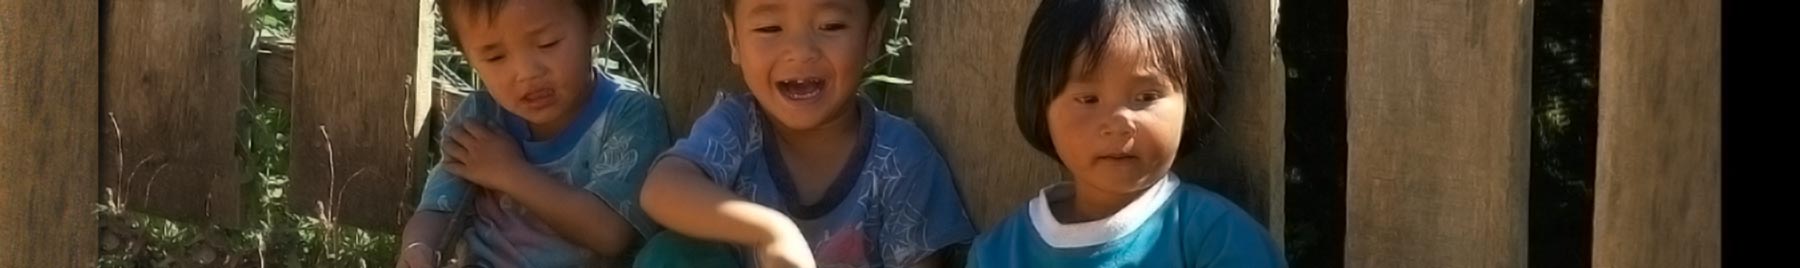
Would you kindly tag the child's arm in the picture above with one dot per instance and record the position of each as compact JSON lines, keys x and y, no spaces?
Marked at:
{"x":680,"y":197}
{"x":573,"y":213}
{"x":419,"y":239}
{"x":491,"y":159}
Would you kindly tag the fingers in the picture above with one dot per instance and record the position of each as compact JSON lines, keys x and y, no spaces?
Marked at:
{"x":455,"y":167}
{"x":479,"y":131}
{"x":454,"y":150}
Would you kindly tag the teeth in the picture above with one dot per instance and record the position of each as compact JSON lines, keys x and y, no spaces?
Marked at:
{"x":801,"y":88}
{"x":791,"y":82}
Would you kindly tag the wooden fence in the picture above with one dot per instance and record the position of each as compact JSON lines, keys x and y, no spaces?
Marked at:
{"x":1438,"y":102}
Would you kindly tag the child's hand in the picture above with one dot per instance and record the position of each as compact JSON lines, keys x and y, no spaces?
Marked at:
{"x":785,"y":251}
{"x":482,"y":155}
{"x":417,"y":255}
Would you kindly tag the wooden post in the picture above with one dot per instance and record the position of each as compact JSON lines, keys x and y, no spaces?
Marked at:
{"x":49,"y":99}
{"x":695,"y":61}
{"x":362,"y":93}
{"x":1657,"y":182}
{"x":173,"y":77}
{"x":1438,"y":102}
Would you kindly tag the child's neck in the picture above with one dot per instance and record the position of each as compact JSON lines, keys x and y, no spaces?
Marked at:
{"x":835,"y":133}
{"x":1091,"y":203}
{"x":543,"y":131}
{"x":548,"y":130}
{"x":815,"y":156}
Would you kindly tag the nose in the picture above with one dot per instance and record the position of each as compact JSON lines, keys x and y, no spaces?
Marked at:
{"x":528,"y":69}
{"x":801,"y":48}
{"x":1119,"y":123}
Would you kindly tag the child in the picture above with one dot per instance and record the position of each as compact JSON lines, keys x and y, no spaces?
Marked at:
{"x":550,"y":157}
{"x":802,"y":170}
{"x":1115,"y":90}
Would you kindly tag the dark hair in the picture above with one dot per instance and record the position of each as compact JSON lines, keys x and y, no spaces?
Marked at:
{"x":591,"y":10}
{"x":875,"y":7}
{"x":1187,"y":37}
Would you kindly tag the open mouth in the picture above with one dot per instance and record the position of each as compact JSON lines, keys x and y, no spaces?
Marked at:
{"x":539,"y":98}
{"x":801,"y":88}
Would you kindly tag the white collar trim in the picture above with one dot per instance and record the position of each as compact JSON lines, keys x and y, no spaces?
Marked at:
{"x":1060,"y":235}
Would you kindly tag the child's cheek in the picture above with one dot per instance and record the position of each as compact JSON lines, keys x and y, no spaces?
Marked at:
{"x":496,"y":77}
{"x":1165,"y":128}
{"x":848,"y":58}
{"x":1067,"y":133}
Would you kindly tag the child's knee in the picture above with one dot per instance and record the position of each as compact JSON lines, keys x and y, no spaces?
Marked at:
{"x":670,"y":249}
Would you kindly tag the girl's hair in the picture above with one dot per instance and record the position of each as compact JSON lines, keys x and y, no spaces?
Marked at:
{"x":1184,"y":38}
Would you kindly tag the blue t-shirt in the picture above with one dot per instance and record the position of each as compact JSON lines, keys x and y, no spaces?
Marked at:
{"x":895,"y":205}
{"x":1172,"y":224}
{"x":606,"y":151}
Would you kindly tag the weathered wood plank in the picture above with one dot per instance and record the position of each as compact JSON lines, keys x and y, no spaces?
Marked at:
{"x":1657,"y":194}
{"x":1438,"y":101}
{"x":359,"y":103}
{"x":173,"y":76}
{"x":49,"y":99}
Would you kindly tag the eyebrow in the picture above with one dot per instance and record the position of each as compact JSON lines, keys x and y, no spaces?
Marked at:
{"x":835,"y":6}
{"x":764,"y":8}
{"x":489,"y":47}
{"x":539,"y":29}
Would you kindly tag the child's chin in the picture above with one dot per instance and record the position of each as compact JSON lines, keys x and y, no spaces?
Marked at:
{"x":1123,"y":174}
{"x":808,"y":114}
{"x":536,"y":116}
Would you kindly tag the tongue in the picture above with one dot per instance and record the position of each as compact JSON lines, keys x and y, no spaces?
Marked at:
{"x":802,"y":90}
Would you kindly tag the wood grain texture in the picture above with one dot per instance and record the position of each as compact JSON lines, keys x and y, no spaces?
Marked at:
{"x":49,"y":101}
{"x":1657,"y":181}
{"x":1438,"y":102}
{"x":357,"y":111}
{"x":173,"y":77}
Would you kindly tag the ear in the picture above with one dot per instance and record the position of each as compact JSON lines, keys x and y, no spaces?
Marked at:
{"x":730,"y":36}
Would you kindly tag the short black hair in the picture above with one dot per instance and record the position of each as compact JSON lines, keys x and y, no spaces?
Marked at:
{"x":875,"y":7}
{"x":1187,"y":37}
{"x":591,"y":10}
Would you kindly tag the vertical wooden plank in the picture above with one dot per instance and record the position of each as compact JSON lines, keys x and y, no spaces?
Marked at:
{"x":1438,"y":108}
{"x":49,"y":62}
{"x":358,"y":104}
{"x":695,"y":62}
{"x":173,"y":76}
{"x":1245,"y":155}
{"x":1658,"y":178}
{"x":962,"y":73}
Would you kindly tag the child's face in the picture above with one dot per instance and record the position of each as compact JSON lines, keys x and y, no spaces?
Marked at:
{"x":533,"y":55}
{"x":802,"y":59}
{"x":1118,"y":126}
